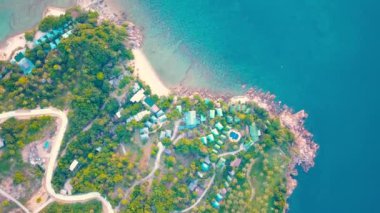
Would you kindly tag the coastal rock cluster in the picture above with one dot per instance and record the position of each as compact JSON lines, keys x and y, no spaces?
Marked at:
{"x":107,"y":11}
{"x":304,"y":148}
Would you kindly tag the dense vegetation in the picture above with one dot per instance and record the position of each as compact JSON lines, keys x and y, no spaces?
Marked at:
{"x":13,"y":170}
{"x":80,"y":76}
{"x":89,"y":207}
{"x":17,"y":134}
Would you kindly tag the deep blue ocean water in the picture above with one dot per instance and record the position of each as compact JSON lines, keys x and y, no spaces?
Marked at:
{"x":318,"y":55}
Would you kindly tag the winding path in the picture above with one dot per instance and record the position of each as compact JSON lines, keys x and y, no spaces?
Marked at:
{"x":57,"y":141}
{"x":9,"y":197}
{"x":161,"y":149}
{"x":201,"y":197}
{"x":241,"y":148}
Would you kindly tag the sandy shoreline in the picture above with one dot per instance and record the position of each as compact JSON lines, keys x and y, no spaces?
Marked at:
{"x":146,"y":73}
{"x":16,"y":42}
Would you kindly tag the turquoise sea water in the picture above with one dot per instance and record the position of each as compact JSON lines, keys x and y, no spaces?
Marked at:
{"x":317,"y":55}
{"x":19,"y":15}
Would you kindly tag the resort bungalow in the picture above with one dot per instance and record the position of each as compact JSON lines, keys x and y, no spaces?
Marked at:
{"x":162,"y":135}
{"x":179,"y":108}
{"x":205,"y":167}
{"x":203,"y":118}
{"x":219,"y":112}
{"x":193,"y":185}
{"x":168,"y":133}
{"x":73,"y":165}
{"x":212,"y":113}
{"x":215,"y":204}
{"x":149,"y":101}
{"x":154,"y":108}
{"x":118,"y":114}
{"x":219,"y":126}
{"x":144,"y":137}
{"x":229,"y":119}
{"x":26,"y":65}
{"x":136,"y":87}
{"x":235,"y":163}
{"x":204,"y":140}
{"x":191,"y":119}
{"x":160,"y":113}
{"x":144,"y":134}
{"x":218,"y":197}
{"x":254,"y":132}
{"x":2,"y":144}
{"x":52,"y":45}
{"x":221,"y":163}
{"x":154,"y":119}
{"x":215,"y":132}
{"x":210,"y":138}
{"x":216,"y":146}
{"x":162,"y":118}
{"x":139,"y":116}
{"x":138,"y":96}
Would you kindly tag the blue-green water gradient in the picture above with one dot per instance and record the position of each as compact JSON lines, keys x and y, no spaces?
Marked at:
{"x":318,"y":55}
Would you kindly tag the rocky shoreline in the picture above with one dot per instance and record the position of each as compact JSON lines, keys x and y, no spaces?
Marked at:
{"x":108,"y":12}
{"x":304,"y":148}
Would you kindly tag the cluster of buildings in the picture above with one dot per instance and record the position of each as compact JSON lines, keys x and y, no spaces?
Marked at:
{"x":52,"y":38}
{"x":227,"y":181}
{"x":156,"y":116}
{"x":2,"y":143}
{"x":218,"y":136}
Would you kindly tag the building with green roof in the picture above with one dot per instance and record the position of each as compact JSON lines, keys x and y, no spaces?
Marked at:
{"x":219,"y":126}
{"x":215,"y":132}
{"x":221,"y":163}
{"x":219,"y":112}
{"x":215,"y":204}
{"x":219,"y":197}
{"x":19,"y":56}
{"x":212,"y":113}
{"x":191,"y":119}
{"x":205,"y":167}
{"x":210,"y":138}
{"x":254,"y":132}
{"x":204,"y":140}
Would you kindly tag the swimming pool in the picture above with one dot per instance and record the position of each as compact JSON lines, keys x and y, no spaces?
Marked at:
{"x":234,"y":136}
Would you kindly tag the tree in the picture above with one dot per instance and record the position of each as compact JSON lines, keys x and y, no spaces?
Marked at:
{"x":166,"y":142}
{"x":19,"y":177}
{"x":29,"y":35}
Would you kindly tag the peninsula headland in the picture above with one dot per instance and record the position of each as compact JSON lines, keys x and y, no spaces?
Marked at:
{"x":106,"y":128}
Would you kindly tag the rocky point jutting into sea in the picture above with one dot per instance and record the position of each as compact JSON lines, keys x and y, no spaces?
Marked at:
{"x":304,"y":149}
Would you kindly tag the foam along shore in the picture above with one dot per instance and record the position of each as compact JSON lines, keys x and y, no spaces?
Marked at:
{"x":11,"y":45}
{"x":54,"y":11}
{"x":18,"y":42}
{"x":146,"y":73}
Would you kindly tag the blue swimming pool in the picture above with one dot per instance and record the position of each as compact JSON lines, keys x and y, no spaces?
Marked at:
{"x":234,"y":135}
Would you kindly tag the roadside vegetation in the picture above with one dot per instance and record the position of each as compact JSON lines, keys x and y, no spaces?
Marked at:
{"x":89,"y":207}
{"x":116,"y":147}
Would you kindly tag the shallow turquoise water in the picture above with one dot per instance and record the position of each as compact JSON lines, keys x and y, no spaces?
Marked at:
{"x":321,"y":56}
{"x":19,"y":15}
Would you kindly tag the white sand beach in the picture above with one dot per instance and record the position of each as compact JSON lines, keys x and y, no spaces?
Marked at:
{"x":146,"y":73}
{"x":54,"y":11}
{"x":11,"y":45}
{"x":16,"y":42}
